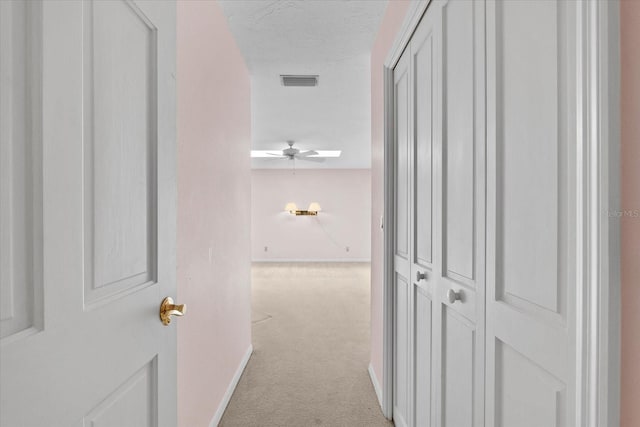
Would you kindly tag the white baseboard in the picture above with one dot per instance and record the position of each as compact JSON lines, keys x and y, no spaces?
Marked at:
{"x":376,"y":384}
{"x":312,"y":260}
{"x":232,"y":387}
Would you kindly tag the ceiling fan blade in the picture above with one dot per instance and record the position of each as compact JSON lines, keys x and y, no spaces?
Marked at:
{"x":311,"y":159}
{"x":278,"y":155}
{"x":307,"y":153}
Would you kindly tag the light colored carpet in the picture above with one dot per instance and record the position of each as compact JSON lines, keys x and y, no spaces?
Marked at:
{"x":311,"y":349}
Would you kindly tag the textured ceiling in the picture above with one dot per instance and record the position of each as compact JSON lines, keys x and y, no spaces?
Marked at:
{"x":330,"y":38}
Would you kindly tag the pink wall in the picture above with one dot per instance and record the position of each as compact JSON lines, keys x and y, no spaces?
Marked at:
{"x":390,"y":25}
{"x":214,"y":188}
{"x":630,"y":233}
{"x":345,"y":198}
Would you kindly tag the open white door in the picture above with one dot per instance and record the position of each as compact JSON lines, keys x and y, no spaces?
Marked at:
{"x":87,"y":236}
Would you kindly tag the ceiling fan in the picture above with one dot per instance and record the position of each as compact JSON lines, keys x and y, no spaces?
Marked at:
{"x":295,"y":154}
{"x":292,"y":153}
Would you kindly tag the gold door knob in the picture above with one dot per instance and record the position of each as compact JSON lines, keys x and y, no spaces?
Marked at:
{"x":168,"y":309}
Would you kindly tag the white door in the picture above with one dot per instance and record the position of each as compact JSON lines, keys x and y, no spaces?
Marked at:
{"x":531,"y":213}
{"x":87,"y":177}
{"x":458,"y":313}
{"x":439,"y":259}
{"x":425,"y":132}
{"x":402,"y":343}
{"x":440,"y":220}
{"x":495,"y":319}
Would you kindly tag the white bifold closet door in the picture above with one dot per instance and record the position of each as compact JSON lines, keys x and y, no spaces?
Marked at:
{"x":532,"y":215}
{"x":440,"y":220}
{"x":485,"y":213}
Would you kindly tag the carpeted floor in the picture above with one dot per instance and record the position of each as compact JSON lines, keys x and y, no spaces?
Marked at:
{"x":311,"y":349}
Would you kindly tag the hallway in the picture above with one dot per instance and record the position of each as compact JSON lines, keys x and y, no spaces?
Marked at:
{"x":311,"y":349}
{"x":306,"y":213}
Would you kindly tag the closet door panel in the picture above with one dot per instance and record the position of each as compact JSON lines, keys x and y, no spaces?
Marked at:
{"x":402,"y":107}
{"x":531,"y":201}
{"x":424,"y":61}
{"x":403,"y":305}
{"x":424,"y":102}
{"x":459,"y":312}
{"x":401,"y":354}
{"x":458,"y":370}
{"x":458,"y":139}
{"x":423,"y":343}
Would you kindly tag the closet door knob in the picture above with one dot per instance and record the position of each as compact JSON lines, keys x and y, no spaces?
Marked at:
{"x":420,"y":276}
{"x":453,"y":296}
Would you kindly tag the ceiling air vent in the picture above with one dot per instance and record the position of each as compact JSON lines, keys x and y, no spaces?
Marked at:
{"x":299,"y":81}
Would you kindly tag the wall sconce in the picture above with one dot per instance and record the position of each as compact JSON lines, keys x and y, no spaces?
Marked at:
{"x":313,"y":209}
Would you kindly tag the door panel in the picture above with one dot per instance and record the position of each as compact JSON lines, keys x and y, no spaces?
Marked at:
{"x":531,"y":213}
{"x":526,"y":394}
{"x":458,"y":365}
{"x":425,"y":132}
{"x":401,"y":354}
{"x":458,"y":139}
{"x":99,"y":354}
{"x":134,"y":403}
{"x":120,"y":149}
{"x":20,"y":172}
{"x":423,"y":345}
{"x":528,"y":233}
{"x":402,"y":159}
{"x":461,"y":221}
{"x":422,"y":51}
{"x":403,"y":342}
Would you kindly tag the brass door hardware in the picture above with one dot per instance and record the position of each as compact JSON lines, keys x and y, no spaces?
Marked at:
{"x":168,"y":309}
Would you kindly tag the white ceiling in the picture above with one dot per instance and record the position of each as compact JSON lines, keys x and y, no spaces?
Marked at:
{"x":331,"y":38}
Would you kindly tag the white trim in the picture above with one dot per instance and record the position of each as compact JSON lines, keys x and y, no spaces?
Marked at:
{"x":609,"y":351}
{"x":598,"y":305}
{"x":376,"y":384}
{"x":599,"y":184}
{"x":409,"y":25}
{"x":232,"y":387}
{"x":342,"y":260}
{"x":389,"y":215}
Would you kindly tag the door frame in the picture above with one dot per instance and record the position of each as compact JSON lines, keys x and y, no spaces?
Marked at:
{"x":598,"y":199}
